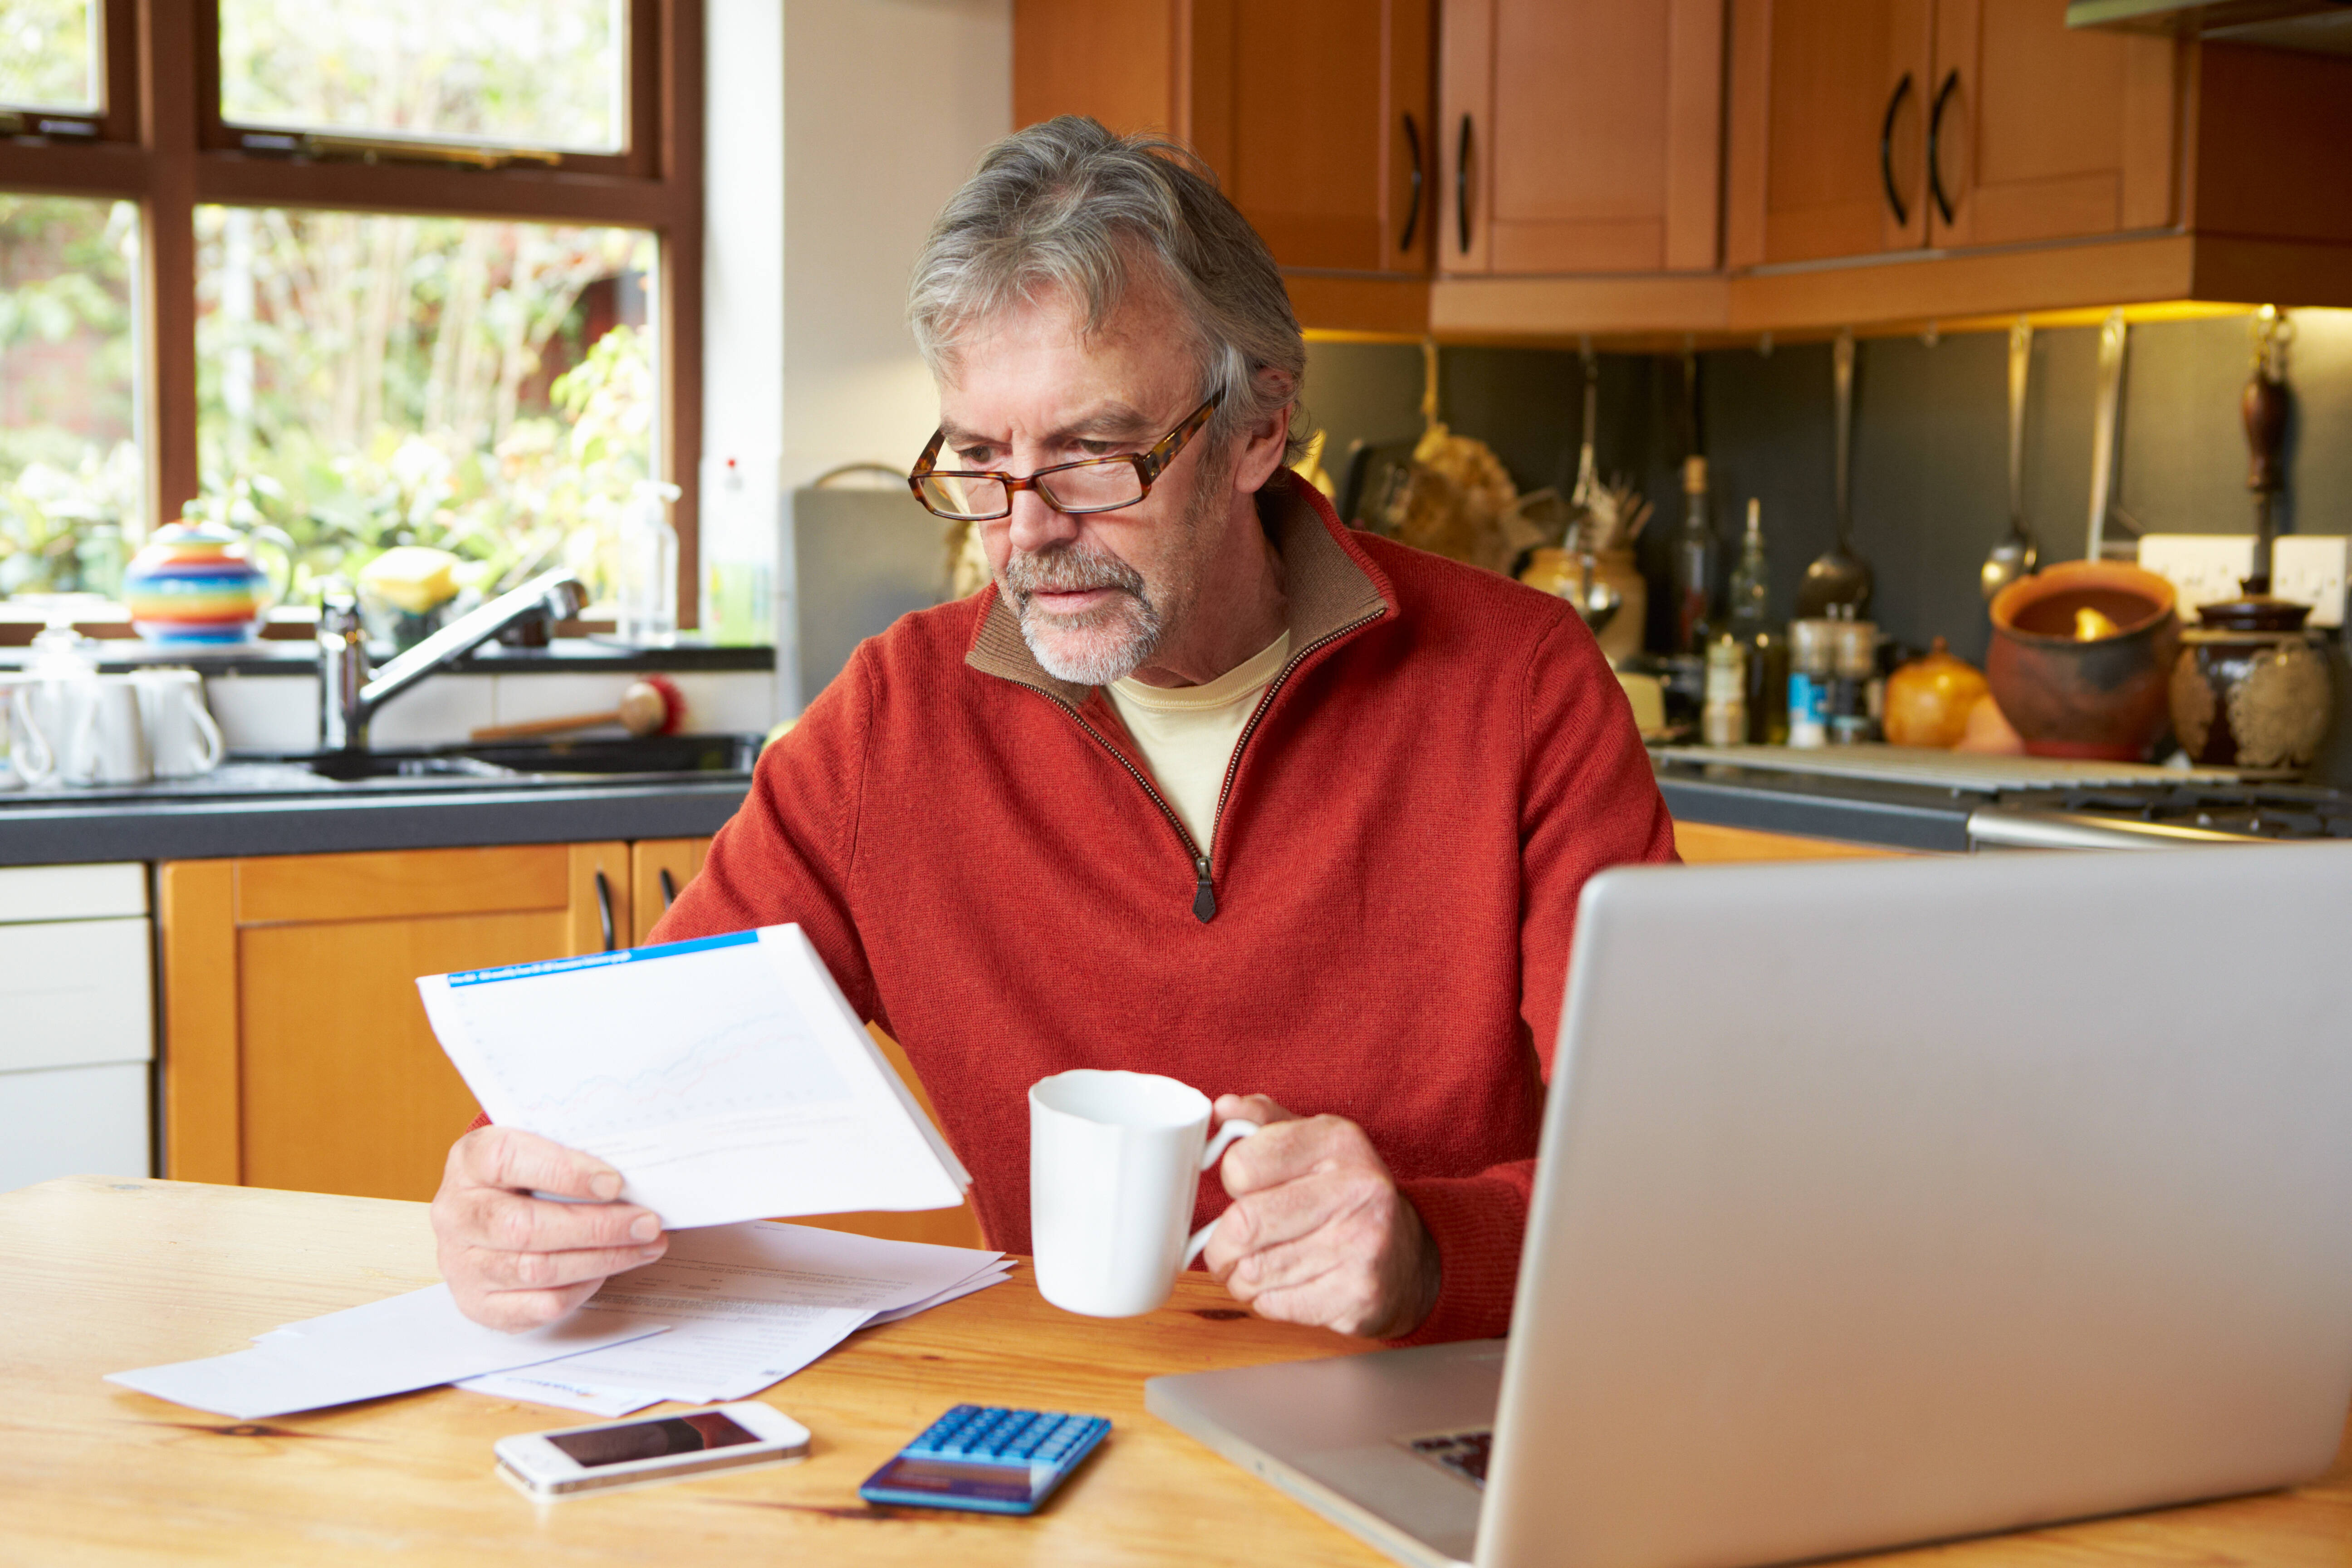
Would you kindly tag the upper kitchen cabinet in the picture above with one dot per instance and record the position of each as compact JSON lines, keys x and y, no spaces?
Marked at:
{"x":1580,"y":136}
{"x":2039,"y":132}
{"x":1863,"y":126}
{"x":1316,"y":114}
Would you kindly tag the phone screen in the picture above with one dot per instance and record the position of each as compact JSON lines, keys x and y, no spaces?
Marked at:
{"x":649,"y":1439}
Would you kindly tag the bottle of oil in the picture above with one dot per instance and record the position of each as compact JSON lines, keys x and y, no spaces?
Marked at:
{"x":1749,"y":615}
{"x":1698,"y":563}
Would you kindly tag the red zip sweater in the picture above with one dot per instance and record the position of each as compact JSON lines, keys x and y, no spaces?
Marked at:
{"x":1382,"y":931}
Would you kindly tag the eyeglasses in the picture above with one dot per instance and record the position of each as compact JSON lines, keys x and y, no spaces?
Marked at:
{"x":1092,"y":484}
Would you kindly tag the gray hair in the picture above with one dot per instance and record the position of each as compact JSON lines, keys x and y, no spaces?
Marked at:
{"x":1065,"y":206}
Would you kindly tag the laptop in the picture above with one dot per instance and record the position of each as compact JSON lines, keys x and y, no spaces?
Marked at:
{"x":1881,"y":1202}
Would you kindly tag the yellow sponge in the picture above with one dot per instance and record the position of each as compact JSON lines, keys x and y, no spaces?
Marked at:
{"x":412,"y":577}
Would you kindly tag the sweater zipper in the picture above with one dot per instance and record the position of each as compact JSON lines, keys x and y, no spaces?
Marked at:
{"x":1204,"y":892}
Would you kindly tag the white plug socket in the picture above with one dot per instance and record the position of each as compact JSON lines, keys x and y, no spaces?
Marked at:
{"x":2203,"y":568}
{"x":2310,"y":568}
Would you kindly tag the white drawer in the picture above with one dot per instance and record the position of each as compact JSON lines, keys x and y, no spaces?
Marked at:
{"x":73,"y":1122}
{"x":72,"y":892}
{"x":74,"y":992}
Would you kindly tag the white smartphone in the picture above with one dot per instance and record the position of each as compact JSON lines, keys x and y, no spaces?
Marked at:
{"x":652,"y":1449}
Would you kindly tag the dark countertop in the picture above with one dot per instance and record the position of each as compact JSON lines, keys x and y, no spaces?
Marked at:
{"x":566,"y":656}
{"x":259,"y":808}
{"x":1897,"y":815}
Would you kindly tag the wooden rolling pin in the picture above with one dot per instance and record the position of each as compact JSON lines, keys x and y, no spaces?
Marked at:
{"x":654,"y":706}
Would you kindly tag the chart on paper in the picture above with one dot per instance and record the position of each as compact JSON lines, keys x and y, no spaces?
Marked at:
{"x":613,"y":1058}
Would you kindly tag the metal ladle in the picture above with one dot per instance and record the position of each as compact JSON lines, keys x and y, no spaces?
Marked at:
{"x":2015,"y":556}
{"x":1840,"y":579}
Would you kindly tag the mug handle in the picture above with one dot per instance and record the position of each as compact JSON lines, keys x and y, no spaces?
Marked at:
{"x":206,"y":730}
{"x":1230,"y":1134}
{"x":42,"y":758}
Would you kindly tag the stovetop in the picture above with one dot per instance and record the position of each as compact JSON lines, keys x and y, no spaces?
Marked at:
{"x":2251,"y":810}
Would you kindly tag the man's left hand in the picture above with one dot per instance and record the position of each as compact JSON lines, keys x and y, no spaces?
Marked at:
{"x":1318,"y":1232}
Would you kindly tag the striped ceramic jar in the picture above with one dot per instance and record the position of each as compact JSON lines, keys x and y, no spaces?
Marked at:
{"x":199,"y":583}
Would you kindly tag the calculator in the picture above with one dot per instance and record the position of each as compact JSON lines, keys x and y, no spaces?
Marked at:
{"x":987,"y":1458}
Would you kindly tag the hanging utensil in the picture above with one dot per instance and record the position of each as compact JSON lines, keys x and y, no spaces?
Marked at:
{"x":2015,"y":556}
{"x":2112,"y":340}
{"x":1840,"y":581}
{"x":1588,"y":470}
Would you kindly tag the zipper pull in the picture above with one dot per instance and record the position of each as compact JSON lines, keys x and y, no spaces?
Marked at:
{"x":1204,"y":896}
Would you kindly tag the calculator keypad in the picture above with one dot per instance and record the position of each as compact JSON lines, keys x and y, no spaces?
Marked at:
{"x":990,"y":1435}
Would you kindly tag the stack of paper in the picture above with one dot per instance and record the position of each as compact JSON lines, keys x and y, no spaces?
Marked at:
{"x":726,"y":1078}
{"x":748,"y":1305}
{"x":391,"y":1346}
{"x":728,"y":1313}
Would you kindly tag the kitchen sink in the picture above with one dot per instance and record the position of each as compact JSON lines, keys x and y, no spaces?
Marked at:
{"x":647,"y":756}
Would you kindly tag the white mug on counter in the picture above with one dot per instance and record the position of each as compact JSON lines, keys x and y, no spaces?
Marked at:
{"x":1114,"y":1163}
{"x":182,"y":739}
{"x":99,"y":734}
{"x":26,"y":756}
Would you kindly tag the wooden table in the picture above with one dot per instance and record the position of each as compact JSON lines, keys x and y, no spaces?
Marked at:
{"x":98,"y":1274}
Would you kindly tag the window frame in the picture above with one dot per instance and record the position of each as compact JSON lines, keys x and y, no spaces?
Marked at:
{"x":162,"y":144}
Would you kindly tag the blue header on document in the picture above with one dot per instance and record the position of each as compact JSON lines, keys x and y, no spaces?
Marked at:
{"x":602,"y":960}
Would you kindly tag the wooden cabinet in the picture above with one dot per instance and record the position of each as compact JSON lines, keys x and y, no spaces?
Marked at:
{"x":1581,"y":136}
{"x":1316,"y":114}
{"x":297,"y":1053}
{"x":659,"y":869}
{"x":1860,"y":126}
{"x":1705,"y":844}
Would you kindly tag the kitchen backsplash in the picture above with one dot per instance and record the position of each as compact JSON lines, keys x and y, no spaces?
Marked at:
{"x":1930,"y":450}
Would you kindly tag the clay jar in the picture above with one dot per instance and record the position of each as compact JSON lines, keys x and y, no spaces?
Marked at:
{"x":2249,"y":690}
{"x":2105,"y":698}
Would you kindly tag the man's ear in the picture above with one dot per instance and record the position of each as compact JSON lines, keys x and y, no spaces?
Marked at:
{"x":1264,"y":444}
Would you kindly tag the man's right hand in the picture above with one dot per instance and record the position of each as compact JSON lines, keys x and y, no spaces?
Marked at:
{"x":514,"y":1261}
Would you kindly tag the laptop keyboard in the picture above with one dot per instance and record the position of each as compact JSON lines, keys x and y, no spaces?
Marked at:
{"x":1463,"y":1453}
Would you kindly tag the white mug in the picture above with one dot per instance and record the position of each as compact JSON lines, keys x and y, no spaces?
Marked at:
{"x":97,"y":730}
{"x":26,"y":756}
{"x":1114,"y":1163}
{"x":182,"y":739}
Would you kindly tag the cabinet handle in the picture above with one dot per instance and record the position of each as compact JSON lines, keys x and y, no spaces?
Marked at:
{"x":1886,"y":151}
{"x":1934,"y":141}
{"x":1412,"y":213}
{"x":604,"y":910}
{"x":1462,"y":188}
{"x":668,"y":886}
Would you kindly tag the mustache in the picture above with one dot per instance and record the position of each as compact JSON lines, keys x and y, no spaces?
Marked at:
{"x":1069,"y":568}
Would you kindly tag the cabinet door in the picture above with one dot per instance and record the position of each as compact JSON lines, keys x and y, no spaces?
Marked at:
{"x":1829,"y":105}
{"x":1315,"y":115}
{"x":659,"y":869}
{"x":1581,"y":136}
{"x":297,"y":1054}
{"x":2039,"y":131}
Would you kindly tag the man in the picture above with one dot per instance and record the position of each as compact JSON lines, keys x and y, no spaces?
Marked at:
{"x":1204,"y":785}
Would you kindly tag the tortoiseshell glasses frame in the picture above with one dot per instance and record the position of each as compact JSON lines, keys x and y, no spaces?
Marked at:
{"x":1089,"y":485}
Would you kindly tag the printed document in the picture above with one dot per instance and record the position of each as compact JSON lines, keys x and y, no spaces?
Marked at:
{"x":391,"y":1346}
{"x":747,"y":1306}
{"x":726,"y":1078}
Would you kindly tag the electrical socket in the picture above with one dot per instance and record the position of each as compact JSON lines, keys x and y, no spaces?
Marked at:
{"x":2310,"y":568}
{"x":2203,"y":568}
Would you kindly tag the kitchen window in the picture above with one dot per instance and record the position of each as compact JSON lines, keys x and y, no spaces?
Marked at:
{"x":426,"y":272}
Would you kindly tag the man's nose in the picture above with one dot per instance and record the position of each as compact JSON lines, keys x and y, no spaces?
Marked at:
{"x":1035,"y":526}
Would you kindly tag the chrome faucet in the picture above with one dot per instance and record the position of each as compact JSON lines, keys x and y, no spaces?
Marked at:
{"x":348,"y":698}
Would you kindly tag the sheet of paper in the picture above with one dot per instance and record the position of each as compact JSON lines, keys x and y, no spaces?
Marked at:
{"x":749,"y":1305}
{"x":533,"y":1386}
{"x":411,"y":1342}
{"x":996,"y":1276}
{"x":724,"y":1078}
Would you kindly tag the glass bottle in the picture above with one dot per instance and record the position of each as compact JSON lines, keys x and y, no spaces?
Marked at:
{"x":1697,"y":566}
{"x":1749,"y":611}
{"x":645,"y":569}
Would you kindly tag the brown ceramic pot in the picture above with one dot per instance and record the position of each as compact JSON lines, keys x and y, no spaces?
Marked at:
{"x":2250,"y":689}
{"x":2105,"y":698}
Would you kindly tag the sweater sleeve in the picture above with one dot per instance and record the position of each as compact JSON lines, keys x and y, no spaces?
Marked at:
{"x":788,"y":853}
{"x":1587,"y":801}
